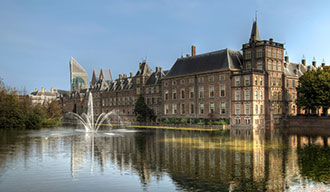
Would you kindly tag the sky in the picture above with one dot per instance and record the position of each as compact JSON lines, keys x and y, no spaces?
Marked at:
{"x":38,"y":37}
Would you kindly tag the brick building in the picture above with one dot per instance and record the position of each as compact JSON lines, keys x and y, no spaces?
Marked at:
{"x":254,"y":87}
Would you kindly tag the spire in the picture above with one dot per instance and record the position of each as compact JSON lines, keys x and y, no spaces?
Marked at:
{"x":255,"y":32}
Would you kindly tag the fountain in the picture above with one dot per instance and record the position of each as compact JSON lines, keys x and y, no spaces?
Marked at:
{"x":87,"y":120}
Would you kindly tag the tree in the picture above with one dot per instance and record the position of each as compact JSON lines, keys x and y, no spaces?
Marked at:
{"x":142,"y":112}
{"x":314,"y":89}
{"x":54,"y":109}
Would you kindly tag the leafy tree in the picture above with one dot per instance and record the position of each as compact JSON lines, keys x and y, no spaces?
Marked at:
{"x":314,"y":89}
{"x":142,"y":112}
{"x":54,"y":110}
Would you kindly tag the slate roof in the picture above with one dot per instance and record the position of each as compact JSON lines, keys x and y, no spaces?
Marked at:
{"x":295,"y":69}
{"x":155,"y":77}
{"x":222,"y":59}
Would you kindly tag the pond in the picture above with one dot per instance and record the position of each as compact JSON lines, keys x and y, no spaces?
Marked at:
{"x":67,"y":159}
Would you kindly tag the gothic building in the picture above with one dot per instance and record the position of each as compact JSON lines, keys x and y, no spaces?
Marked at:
{"x":253,"y":87}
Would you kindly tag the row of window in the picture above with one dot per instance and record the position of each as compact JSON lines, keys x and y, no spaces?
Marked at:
{"x":248,"y":121}
{"x":222,"y":77}
{"x":152,"y":89}
{"x":274,"y":66}
{"x":191,"y":110}
{"x":258,"y":95}
{"x":247,"y":81}
{"x":293,"y":83}
{"x":191,"y":95}
{"x":258,"y":109}
{"x":118,"y":101}
{"x":274,"y":53}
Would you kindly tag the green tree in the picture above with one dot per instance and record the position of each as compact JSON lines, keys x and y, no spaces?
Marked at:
{"x":142,"y":112}
{"x":314,"y":89}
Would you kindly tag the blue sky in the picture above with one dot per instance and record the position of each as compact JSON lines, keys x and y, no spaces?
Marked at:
{"x":38,"y":37}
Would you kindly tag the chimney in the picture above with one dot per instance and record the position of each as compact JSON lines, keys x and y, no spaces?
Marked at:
{"x":314,"y":63}
{"x":131,"y":74}
{"x":157,"y":69}
{"x":42,"y":90}
{"x":187,"y":55}
{"x":36,"y":90}
{"x":286,"y":58}
{"x":303,"y":61}
{"x":160,"y":69}
{"x":51,"y":90}
{"x":125,"y":76}
{"x":193,"y":50}
{"x":271,"y":40}
{"x":120,"y":76}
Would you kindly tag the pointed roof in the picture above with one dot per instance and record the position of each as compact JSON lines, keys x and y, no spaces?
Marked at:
{"x":255,"y":32}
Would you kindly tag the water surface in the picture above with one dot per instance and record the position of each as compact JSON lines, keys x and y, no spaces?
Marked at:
{"x":66,"y":159}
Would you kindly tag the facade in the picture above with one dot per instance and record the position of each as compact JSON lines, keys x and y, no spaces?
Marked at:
{"x":44,"y":97}
{"x":253,"y":87}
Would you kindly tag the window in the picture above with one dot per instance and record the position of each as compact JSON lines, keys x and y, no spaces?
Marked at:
{"x":261,"y":109}
{"x":248,"y":65}
{"x":201,"y":108}
{"x":293,"y":96}
{"x":222,"y":77}
{"x":138,"y":81}
{"x":247,"y":109}
{"x":192,"y":107}
{"x":274,"y":53}
{"x":247,"y":121}
{"x":166,"y":109}
{"x":237,"y":120}
{"x":114,"y":101}
{"x":256,"y":109}
{"x":201,"y":92}
{"x":191,"y":80}
{"x":222,"y":91}
{"x":269,"y":64}
{"x":201,"y":79}
{"x":256,"y":95}
{"x":119,"y":101}
{"x":166,"y":95}
{"x":157,"y":89}
{"x":261,"y":95}
{"x":174,"y":93}
{"x":274,"y":66}
{"x":255,"y":81}
{"x":259,"y":65}
{"x":110,"y":102}
{"x":256,"y":121}
{"x":191,"y":92}
{"x":293,"y":84}
{"x":223,"y":108}
{"x":247,"y":94}
{"x":259,"y":52}
{"x":152,"y":89}
{"x":237,"y":95}
{"x":138,"y":91}
{"x":148,"y":101}
{"x":279,"y":66}
{"x":248,"y":55}
{"x":261,"y":81}
{"x":237,"y":109}
{"x":287,"y":83}
{"x":269,"y":52}
{"x":147,"y":90}
{"x":103,"y":102}
{"x":152,"y":100}
{"x":237,"y":81}
{"x":173,"y":82}
{"x":182,"y":82}
{"x":182,"y":109}
{"x":174,"y":109}
{"x":211,"y":78}
{"x":182,"y":93}
{"x":211,"y":107}
{"x":166,"y":84}
{"x":247,"y":80}
{"x":211,"y":91}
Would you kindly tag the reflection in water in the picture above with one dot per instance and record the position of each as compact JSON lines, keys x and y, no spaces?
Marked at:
{"x":192,"y":161}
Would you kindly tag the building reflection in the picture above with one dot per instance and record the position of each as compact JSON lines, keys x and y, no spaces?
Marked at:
{"x":244,"y":160}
